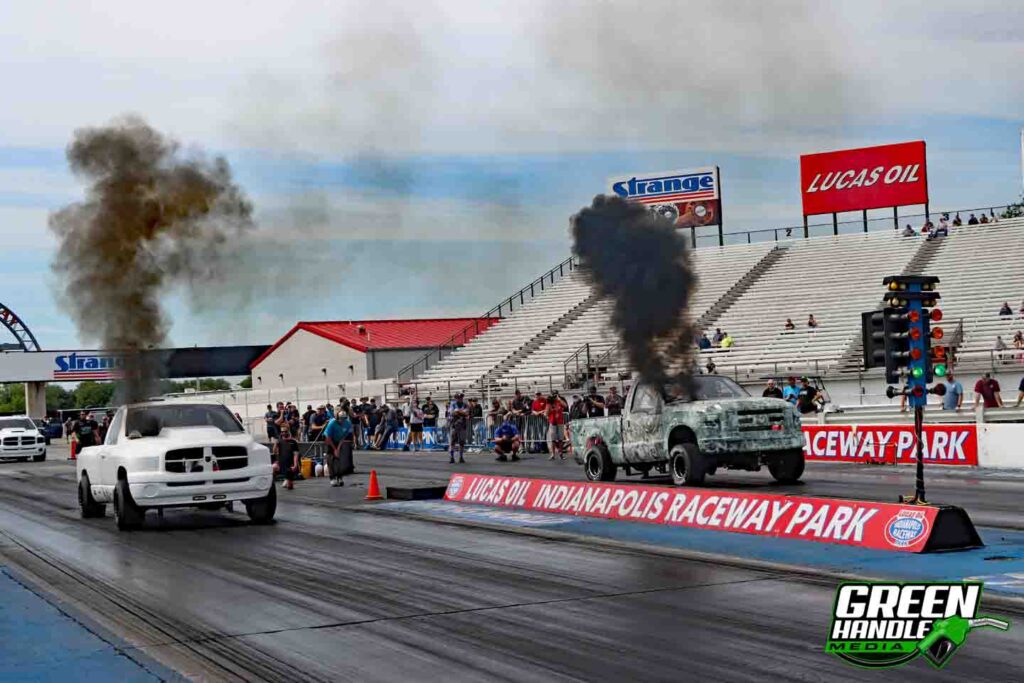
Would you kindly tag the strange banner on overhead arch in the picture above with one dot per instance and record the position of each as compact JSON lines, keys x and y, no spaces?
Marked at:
{"x":690,"y":198}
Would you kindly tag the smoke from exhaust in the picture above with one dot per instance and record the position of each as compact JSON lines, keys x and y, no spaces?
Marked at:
{"x":154,"y":218}
{"x":639,"y":260}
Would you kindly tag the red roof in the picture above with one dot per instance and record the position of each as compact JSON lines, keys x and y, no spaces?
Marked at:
{"x":375,"y":335}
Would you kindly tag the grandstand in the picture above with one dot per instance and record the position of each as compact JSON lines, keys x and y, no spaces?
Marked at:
{"x":750,"y":290}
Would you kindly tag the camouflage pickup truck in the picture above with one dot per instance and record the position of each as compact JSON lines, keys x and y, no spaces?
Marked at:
{"x":718,"y":425}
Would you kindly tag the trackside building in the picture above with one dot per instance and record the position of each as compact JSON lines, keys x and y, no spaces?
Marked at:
{"x":337,"y":352}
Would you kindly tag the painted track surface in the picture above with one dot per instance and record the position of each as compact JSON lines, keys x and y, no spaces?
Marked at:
{"x":336,"y":593}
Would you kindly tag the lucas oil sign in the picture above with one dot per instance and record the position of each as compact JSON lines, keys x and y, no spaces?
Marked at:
{"x":950,"y":444}
{"x":689,"y":198}
{"x":865,"y":524}
{"x":865,"y":178}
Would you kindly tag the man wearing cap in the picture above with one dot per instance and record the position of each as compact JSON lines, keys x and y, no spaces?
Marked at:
{"x":594,"y":402}
{"x":808,"y":398}
{"x":458,"y":422}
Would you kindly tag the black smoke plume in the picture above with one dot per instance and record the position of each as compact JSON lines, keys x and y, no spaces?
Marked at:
{"x":154,"y":218}
{"x":639,"y":260}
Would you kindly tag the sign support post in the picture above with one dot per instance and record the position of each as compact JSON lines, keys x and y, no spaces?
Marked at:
{"x":865,"y":216}
{"x":835,"y":224}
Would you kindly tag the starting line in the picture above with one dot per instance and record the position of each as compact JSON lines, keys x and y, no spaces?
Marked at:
{"x":862,"y":524}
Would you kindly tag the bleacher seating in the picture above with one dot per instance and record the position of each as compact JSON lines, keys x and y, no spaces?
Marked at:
{"x":718,"y":269}
{"x":979,"y":267}
{"x":836,"y":278}
{"x":469,"y":363}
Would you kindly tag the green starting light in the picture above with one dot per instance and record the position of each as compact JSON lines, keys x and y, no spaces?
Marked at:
{"x":917,"y":372}
{"x":939,"y":370}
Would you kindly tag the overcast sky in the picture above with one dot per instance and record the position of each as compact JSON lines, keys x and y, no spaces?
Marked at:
{"x":419,"y":159}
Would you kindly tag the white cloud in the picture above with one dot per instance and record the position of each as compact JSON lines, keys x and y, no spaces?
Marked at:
{"x":337,"y":79}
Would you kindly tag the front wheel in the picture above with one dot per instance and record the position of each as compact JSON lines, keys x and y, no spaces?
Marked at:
{"x":598,"y":465}
{"x":261,"y":510}
{"x":687,"y":465}
{"x":127,"y":514}
{"x":787,"y":467}
{"x":39,"y":458}
{"x":86,"y":503}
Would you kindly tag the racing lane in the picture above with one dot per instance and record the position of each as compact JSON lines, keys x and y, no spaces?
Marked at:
{"x":332,"y":592}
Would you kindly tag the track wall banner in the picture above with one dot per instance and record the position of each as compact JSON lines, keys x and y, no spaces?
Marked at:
{"x":864,"y":178}
{"x":865,"y":524}
{"x":949,"y":444}
{"x":690,"y":198}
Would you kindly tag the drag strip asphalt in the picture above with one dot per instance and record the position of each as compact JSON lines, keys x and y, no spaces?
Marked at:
{"x":332,"y":593}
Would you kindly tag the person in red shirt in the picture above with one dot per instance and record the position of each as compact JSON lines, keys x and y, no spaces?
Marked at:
{"x":556,"y":427}
{"x":988,"y":389}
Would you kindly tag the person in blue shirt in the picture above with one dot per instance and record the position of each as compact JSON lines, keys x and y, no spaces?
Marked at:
{"x":506,"y":441}
{"x":791,"y":391}
{"x":954,"y":396}
{"x":338,"y":436}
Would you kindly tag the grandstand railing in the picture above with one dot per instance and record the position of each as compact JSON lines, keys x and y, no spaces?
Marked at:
{"x":506,"y":306}
{"x":847,"y":227}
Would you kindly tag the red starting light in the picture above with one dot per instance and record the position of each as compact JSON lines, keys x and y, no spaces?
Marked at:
{"x":915,"y":333}
{"x":939,"y":353}
{"x":918,"y":391}
{"x":935,"y":315}
{"x":937,"y":333}
{"x":915,"y":354}
{"x":914,"y":316}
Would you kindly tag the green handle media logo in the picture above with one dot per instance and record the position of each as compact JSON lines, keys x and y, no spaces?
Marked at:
{"x":882,"y":625}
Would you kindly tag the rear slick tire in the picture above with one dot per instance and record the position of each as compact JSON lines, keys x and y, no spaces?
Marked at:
{"x":598,"y":465}
{"x":687,"y":465}
{"x":261,"y":510}
{"x":127,"y":514}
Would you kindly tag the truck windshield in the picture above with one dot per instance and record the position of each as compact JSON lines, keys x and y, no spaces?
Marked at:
{"x":150,"y":420}
{"x":706,"y":387}
{"x":16,"y":423}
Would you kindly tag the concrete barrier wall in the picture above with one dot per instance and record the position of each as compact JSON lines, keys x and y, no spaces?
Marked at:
{"x":1001,"y":446}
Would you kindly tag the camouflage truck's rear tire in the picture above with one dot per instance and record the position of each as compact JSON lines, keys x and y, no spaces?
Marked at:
{"x":687,"y":465}
{"x":787,"y":467}
{"x":598,"y":465}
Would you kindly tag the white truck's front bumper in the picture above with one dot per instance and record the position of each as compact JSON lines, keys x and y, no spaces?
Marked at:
{"x":161,"y":489}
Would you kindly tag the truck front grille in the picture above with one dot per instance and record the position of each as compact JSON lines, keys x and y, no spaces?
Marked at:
{"x":231,"y":457}
{"x":11,"y":441}
{"x":760,"y":419}
{"x":182,"y":460}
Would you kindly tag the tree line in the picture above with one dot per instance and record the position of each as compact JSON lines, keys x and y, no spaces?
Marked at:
{"x":92,"y":394}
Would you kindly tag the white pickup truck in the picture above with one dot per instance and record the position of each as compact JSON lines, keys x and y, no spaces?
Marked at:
{"x":21,"y":439}
{"x":175,"y":454}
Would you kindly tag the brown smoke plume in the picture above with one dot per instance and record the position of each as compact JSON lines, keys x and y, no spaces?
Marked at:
{"x":639,"y":260}
{"x":153,"y":218}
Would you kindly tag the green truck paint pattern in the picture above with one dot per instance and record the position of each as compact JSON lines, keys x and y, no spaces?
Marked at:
{"x":740,"y":432}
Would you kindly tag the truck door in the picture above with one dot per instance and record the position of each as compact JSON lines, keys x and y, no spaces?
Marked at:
{"x":641,"y":430}
{"x":109,"y":449}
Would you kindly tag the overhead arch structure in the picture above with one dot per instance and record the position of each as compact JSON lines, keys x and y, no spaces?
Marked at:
{"x":18,"y":328}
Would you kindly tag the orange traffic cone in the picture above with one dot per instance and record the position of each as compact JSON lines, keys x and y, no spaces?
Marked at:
{"x":373,"y":492}
{"x":74,"y":455}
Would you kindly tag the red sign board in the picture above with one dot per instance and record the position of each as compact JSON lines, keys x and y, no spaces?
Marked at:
{"x":865,"y":178}
{"x":865,"y":524}
{"x":951,"y":444}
